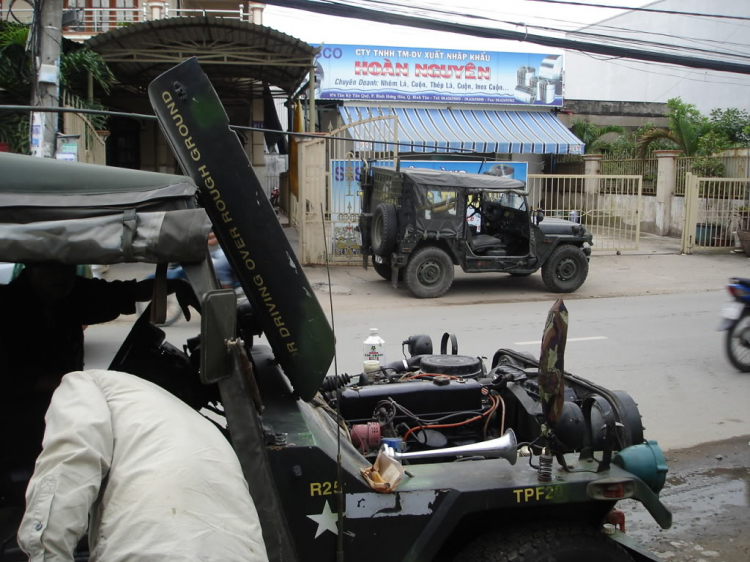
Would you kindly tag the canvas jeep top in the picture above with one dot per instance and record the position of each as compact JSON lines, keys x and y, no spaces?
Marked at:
{"x":418,"y":224}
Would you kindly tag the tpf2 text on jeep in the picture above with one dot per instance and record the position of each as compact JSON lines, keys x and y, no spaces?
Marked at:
{"x":418,"y":224}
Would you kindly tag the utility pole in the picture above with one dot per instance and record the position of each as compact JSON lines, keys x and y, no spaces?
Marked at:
{"x":47,"y":46}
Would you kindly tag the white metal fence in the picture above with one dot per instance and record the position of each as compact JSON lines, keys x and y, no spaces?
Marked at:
{"x":329,"y":179}
{"x":716,"y":209}
{"x":609,"y":206}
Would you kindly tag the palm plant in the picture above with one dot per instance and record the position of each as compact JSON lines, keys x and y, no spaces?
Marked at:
{"x":686,"y":127}
{"x":592,"y":135}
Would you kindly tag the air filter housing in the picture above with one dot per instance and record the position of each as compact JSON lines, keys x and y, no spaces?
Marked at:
{"x":454,"y":365}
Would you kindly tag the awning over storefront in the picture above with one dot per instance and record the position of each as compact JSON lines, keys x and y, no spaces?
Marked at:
{"x":462,"y":130}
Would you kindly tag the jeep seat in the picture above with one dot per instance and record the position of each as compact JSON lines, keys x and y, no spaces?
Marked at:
{"x":487,"y":245}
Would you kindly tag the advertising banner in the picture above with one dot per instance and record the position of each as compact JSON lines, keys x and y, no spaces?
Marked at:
{"x":357,"y":72}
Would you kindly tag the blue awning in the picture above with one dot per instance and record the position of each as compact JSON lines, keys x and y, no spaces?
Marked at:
{"x":462,"y":130}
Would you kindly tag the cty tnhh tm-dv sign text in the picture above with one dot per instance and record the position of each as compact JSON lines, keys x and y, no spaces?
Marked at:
{"x":356,"y":72}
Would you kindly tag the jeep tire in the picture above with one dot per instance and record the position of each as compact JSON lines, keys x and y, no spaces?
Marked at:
{"x":555,"y":544}
{"x":429,"y":272}
{"x":384,"y":229}
{"x":566,"y":269}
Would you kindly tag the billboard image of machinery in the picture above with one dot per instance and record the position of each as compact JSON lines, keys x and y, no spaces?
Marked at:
{"x":540,"y":85}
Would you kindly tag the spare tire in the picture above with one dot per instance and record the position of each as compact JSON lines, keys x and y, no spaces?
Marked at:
{"x":384,"y":229}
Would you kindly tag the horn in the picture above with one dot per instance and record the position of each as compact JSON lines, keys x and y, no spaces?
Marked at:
{"x":503,"y":447}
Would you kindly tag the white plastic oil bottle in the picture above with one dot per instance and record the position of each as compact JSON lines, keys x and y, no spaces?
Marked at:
{"x":374,"y":347}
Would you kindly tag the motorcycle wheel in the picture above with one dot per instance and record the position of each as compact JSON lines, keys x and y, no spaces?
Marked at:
{"x":738,"y":343}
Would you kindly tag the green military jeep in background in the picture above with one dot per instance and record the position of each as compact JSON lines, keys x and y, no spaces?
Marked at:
{"x":418,"y":224}
{"x":508,"y":459}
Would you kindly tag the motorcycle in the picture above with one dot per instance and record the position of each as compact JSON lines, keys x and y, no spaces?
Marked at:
{"x":275,"y":196}
{"x":736,"y":321}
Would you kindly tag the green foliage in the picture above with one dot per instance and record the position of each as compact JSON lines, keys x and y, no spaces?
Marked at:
{"x":591,"y":135}
{"x":686,"y":127}
{"x":705,"y":164}
{"x":77,"y":65}
{"x":625,"y":146}
{"x":14,"y":130}
{"x":734,"y":124}
{"x":15,"y":63}
{"x":16,"y":74}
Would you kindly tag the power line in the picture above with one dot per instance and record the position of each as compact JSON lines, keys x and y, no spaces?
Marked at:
{"x":624,"y":63}
{"x":574,"y":27}
{"x":652,"y":10}
{"x":331,"y":8}
{"x":412,"y":9}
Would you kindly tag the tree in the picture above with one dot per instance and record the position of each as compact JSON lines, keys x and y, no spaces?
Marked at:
{"x":625,"y":145}
{"x":591,"y":135}
{"x":16,"y":79}
{"x":686,"y":127}
{"x":734,"y":124}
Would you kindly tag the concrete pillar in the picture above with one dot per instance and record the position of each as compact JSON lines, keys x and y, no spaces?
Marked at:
{"x":666,"y":179}
{"x":158,"y":10}
{"x":592,"y":163}
{"x":256,"y":13}
{"x":311,"y":98}
{"x":46,"y":91}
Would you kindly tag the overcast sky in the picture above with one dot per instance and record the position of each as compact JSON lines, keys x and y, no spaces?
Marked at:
{"x":315,"y":28}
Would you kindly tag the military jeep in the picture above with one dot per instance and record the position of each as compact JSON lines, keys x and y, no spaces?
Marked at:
{"x":418,"y":224}
{"x":508,"y":459}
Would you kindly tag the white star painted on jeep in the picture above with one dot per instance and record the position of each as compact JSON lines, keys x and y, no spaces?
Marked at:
{"x":326,"y":521}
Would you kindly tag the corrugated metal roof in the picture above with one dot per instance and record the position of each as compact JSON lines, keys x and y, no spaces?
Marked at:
{"x":235,"y":54}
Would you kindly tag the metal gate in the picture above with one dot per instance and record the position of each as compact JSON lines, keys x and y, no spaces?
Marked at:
{"x":329,"y":182}
{"x":716,"y":210}
{"x":609,"y":206}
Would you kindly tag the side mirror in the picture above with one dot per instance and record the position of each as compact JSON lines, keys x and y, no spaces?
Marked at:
{"x":539,"y":215}
{"x":218,"y":326}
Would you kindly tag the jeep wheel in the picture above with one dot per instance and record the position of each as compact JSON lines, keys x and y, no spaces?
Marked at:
{"x":556,"y":544}
{"x":384,"y":229}
{"x":429,"y":273}
{"x":565,"y":270}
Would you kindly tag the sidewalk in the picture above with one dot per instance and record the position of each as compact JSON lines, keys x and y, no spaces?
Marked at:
{"x":656,"y":268}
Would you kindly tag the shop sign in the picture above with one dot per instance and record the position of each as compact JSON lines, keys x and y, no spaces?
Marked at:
{"x":400,"y":74}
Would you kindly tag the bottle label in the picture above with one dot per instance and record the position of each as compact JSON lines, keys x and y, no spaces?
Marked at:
{"x":374,"y":353}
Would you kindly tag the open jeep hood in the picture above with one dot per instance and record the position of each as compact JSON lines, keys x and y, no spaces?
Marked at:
{"x":66,"y":212}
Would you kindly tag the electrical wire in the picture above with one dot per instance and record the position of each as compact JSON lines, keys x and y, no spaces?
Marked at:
{"x":650,"y":10}
{"x":432,"y":375}
{"x":628,"y":64}
{"x":502,"y":420}
{"x":335,"y":8}
{"x":446,"y":425}
{"x":427,"y":12}
{"x":419,"y":420}
{"x":495,"y":404}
